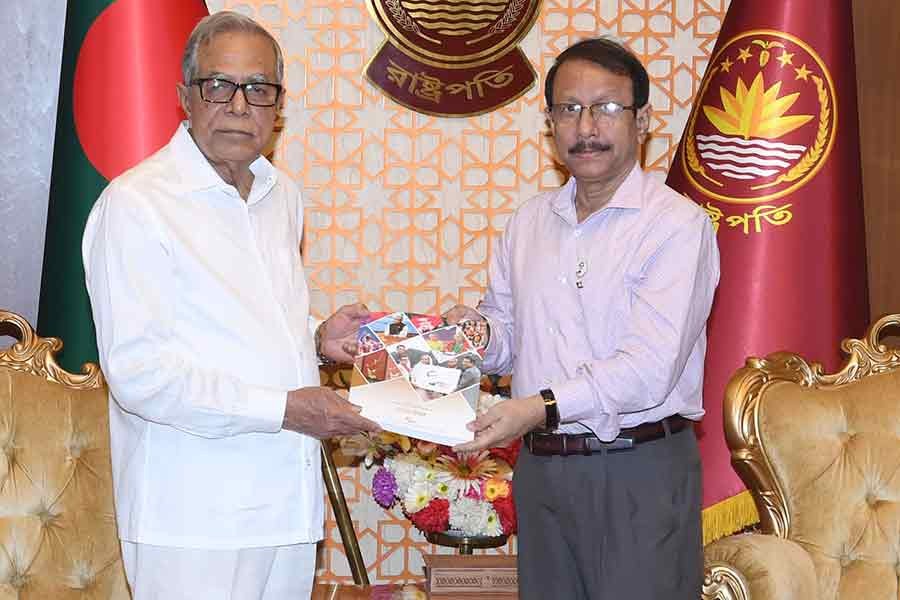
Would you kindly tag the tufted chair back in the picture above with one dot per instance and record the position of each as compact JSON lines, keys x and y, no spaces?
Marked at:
{"x":57,"y":526}
{"x":821,"y":456}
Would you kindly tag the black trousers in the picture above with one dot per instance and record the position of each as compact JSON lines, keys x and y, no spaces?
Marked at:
{"x":611,"y":526}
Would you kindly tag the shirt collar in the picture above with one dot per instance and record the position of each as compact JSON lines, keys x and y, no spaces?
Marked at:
{"x":196,"y":174}
{"x":629,"y":195}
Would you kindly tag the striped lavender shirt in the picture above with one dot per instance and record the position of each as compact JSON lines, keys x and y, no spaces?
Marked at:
{"x":627,"y":347}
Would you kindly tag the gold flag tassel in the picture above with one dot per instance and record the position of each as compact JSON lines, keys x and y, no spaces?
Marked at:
{"x":728,"y":516}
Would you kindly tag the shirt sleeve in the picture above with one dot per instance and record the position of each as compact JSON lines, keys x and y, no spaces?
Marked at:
{"x":670,"y":300}
{"x":128,"y":270}
{"x":497,"y":308}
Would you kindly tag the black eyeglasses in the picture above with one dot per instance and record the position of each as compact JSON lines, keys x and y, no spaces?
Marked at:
{"x":567,"y":112}
{"x":221,"y":91}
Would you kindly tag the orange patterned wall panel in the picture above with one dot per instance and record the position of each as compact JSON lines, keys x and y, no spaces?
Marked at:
{"x":402,"y":208}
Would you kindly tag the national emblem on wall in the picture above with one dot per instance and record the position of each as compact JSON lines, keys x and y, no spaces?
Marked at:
{"x":452,"y":58}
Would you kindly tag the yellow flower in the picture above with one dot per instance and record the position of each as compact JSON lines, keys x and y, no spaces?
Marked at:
{"x":395,"y":439}
{"x":496,"y":488}
{"x":442,"y":489}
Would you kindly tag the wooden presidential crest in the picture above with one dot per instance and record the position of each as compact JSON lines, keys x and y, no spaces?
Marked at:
{"x":452,"y":58}
{"x":764,"y":123}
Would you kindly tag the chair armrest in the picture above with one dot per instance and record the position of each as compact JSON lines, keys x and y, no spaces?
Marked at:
{"x":761,"y":567}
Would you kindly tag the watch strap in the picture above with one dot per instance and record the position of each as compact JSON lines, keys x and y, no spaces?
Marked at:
{"x":551,"y":416}
{"x":320,"y":354}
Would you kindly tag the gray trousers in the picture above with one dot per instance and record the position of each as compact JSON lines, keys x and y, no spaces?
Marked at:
{"x":611,"y":526}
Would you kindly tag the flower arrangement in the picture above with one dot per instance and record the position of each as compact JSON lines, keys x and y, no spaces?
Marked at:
{"x":439,"y":490}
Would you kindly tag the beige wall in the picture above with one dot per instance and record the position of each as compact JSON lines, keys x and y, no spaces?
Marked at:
{"x":402,"y":208}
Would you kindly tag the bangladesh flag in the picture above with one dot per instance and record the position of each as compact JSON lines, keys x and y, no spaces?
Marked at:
{"x":771,"y":151}
{"x":117,"y":105}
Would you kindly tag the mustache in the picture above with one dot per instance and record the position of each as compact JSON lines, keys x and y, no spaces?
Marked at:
{"x":583,"y":146}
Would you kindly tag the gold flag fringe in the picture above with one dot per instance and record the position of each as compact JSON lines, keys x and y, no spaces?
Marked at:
{"x":728,"y":516}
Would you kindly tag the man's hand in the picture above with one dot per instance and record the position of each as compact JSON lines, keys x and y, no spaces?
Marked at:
{"x":336,"y":337}
{"x":505,"y":422}
{"x":322,"y":413}
{"x":461,"y":312}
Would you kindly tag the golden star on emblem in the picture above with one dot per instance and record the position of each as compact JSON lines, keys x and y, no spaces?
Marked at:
{"x":786,"y":58}
{"x":745,"y":54}
{"x":726,"y":65}
{"x":802,"y":73}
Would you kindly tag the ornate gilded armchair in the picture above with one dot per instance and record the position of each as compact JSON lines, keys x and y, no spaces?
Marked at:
{"x":57,"y":527}
{"x":820,"y":454}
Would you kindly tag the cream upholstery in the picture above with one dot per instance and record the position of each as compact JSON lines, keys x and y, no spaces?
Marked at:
{"x":821,"y":455}
{"x":57,"y":527}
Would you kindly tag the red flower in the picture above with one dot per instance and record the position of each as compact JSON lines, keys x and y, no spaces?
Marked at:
{"x":508,"y":453}
{"x":506,"y":510}
{"x":434,"y":518}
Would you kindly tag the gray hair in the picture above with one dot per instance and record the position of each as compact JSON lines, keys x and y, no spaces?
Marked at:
{"x":224,"y":22}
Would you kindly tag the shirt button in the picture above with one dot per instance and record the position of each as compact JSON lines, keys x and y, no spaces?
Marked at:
{"x":577,"y":233}
{"x":550,"y":329}
{"x":562,"y":279}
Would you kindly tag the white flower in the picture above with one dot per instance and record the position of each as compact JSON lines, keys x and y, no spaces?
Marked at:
{"x":403,"y":472}
{"x":425,"y":475}
{"x":457,"y":488}
{"x":443,"y":489}
{"x":492,"y":525}
{"x":416,"y":497}
{"x":443,"y":475}
{"x":451,"y":477}
{"x":469,"y":516}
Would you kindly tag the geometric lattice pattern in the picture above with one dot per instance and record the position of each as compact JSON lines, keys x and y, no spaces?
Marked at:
{"x":402,"y":208}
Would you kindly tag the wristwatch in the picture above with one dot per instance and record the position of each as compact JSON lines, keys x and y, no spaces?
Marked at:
{"x":551,"y":418}
{"x":320,"y":355}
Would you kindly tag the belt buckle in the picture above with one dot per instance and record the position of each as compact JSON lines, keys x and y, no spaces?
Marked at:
{"x":620,"y":444}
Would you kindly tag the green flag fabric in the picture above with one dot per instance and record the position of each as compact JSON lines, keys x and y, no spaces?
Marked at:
{"x":117,"y":105}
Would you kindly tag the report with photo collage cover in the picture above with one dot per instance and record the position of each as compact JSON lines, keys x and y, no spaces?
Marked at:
{"x":418,"y":376}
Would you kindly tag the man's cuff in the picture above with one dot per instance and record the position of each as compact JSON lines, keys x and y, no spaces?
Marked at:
{"x":264,"y":411}
{"x":573,"y":399}
{"x":491,"y":347}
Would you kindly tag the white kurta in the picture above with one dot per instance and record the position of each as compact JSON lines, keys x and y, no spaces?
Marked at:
{"x":202,"y":314}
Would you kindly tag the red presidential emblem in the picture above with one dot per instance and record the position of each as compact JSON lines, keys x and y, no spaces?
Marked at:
{"x":452,"y":57}
{"x":765,"y":120}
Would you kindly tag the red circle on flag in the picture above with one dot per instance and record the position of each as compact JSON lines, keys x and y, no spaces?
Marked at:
{"x":124,"y":99}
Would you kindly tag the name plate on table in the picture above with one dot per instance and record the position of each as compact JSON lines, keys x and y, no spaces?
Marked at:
{"x":482,"y":576}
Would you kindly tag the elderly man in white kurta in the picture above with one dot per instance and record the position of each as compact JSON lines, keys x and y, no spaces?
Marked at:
{"x":193,"y":266}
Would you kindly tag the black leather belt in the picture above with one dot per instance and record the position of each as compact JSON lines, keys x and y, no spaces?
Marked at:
{"x":566,"y":444}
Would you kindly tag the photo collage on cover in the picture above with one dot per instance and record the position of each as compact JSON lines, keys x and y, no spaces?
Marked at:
{"x":437,"y":359}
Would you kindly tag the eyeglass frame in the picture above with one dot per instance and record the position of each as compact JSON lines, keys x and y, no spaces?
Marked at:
{"x":199,"y":81}
{"x":593,"y":109}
